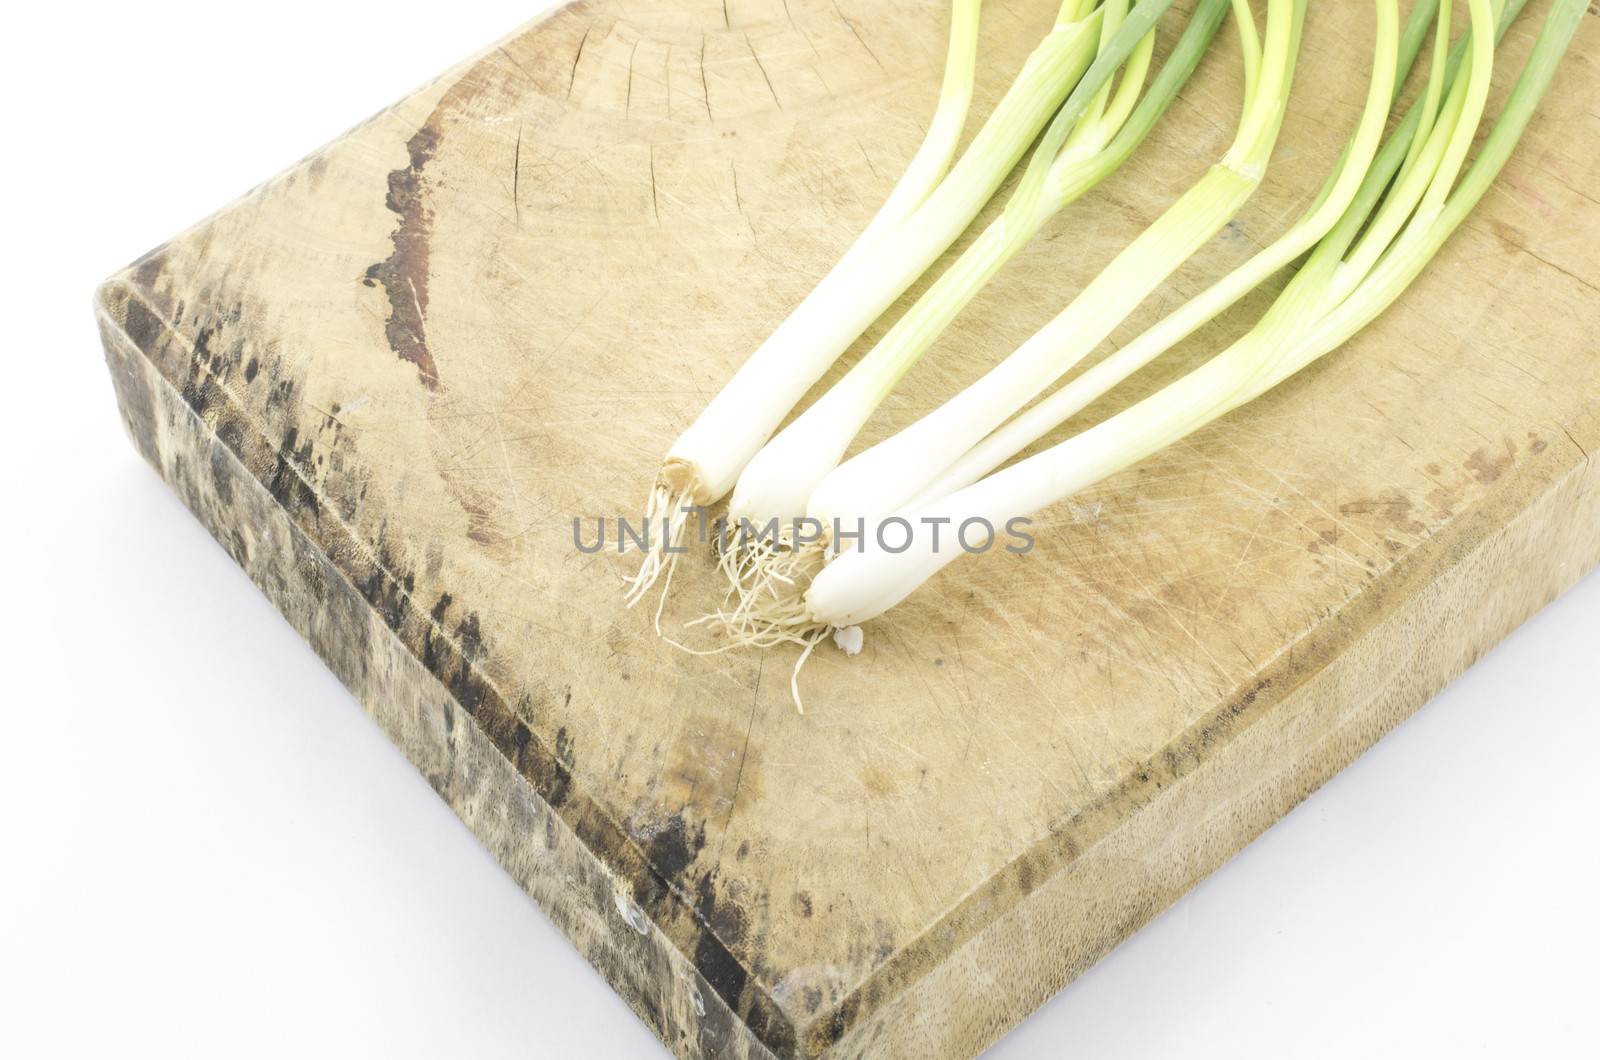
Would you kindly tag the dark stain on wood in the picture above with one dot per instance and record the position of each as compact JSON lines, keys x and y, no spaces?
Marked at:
{"x":674,"y":847}
{"x":404,"y":273}
{"x":1486,"y":468}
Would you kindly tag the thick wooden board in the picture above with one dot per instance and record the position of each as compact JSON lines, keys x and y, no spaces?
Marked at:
{"x":389,"y":379}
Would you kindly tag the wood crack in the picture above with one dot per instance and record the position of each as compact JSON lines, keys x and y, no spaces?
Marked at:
{"x":655,"y":200}
{"x":859,"y":38}
{"x":516,"y":177}
{"x":572,"y":78}
{"x":1575,"y":444}
{"x":764,"y":75}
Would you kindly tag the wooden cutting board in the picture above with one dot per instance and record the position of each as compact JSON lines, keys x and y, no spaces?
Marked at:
{"x":389,"y":379}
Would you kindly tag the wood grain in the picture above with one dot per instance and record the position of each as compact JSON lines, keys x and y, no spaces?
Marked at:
{"x":390,"y":378}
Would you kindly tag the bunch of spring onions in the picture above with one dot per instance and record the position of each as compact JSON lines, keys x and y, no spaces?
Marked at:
{"x":1394,"y":209}
{"x":1355,"y":175}
{"x":1071,"y":160}
{"x":796,"y":473}
{"x":929,"y":208}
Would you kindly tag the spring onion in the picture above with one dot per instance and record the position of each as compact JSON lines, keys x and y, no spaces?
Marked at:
{"x":1335,"y":294}
{"x":779,"y":480}
{"x":1408,"y":140}
{"x":797,"y":470}
{"x":878,"y":481}
{"x":929,"y":209}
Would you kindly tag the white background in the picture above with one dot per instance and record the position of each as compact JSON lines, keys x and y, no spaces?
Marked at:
{"x":208,"y":849}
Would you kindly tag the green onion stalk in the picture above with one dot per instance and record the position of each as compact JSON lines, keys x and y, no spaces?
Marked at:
{"x":881,"y":479}
{"x":798,"y":472}
{"x":924,"y":214}
{"x":1347,"y":282}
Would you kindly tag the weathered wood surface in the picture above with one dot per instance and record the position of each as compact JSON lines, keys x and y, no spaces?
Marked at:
{"x":389,"y":378}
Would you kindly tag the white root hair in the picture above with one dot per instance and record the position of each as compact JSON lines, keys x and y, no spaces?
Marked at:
{"x":670,"y":509}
